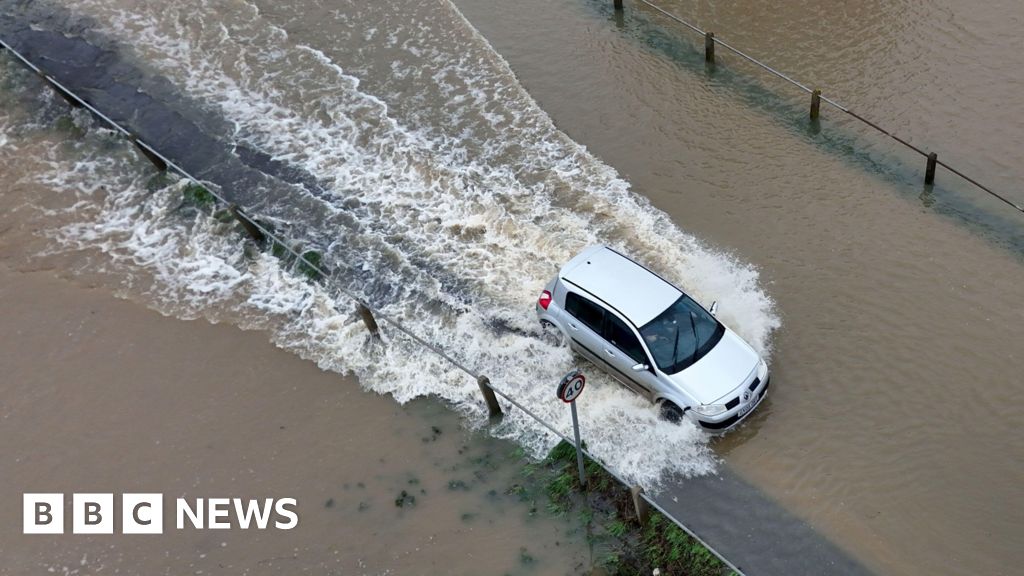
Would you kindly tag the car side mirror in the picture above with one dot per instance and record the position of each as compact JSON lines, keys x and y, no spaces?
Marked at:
{"x":641,"y":367}
{"x":714,"y":308}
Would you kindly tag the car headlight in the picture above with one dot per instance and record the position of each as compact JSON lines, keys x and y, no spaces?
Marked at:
{"x":709,"y":409}
{"x":762,"y":369}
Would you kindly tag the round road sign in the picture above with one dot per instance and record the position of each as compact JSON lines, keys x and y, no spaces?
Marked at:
{"x":571,"y":386}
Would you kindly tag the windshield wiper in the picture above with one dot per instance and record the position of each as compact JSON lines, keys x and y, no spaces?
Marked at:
{"x":675,"y":349}
{"x":696,"y":341}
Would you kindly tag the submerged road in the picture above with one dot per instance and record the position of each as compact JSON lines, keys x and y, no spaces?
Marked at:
{"x":731,"y":515}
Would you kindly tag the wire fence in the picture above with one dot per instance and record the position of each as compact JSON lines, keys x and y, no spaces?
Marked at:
{"x":262,"y":233}
{"x":710,"y":41}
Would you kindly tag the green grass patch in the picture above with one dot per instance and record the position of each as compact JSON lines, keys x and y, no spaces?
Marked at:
{"x":197,"y":195}
{"x":315,"y":260}
{"x":279,"y":250}
{"x":668,"y":546}
{"x":618,"y":528}
{"x":605,"y":511}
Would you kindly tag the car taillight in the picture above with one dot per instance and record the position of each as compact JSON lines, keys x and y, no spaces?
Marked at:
{"x":545,"y":299}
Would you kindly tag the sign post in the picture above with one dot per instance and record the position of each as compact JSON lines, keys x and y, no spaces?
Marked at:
{"x":569,"y":389}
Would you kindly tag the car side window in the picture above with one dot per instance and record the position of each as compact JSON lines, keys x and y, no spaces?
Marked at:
{"x":616,"y":332}
{"x":585,"y":311}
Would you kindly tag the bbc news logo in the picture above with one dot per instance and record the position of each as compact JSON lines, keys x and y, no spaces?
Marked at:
{"x":144,"y":513}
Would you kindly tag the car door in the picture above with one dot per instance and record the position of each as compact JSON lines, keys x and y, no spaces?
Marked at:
{"x":623,"y":351}
{"x":584,"y":321}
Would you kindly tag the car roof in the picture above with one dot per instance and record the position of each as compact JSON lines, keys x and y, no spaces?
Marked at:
{"x":636,"y":292}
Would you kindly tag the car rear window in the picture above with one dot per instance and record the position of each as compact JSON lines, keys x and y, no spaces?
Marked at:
{"x":585,"y":311}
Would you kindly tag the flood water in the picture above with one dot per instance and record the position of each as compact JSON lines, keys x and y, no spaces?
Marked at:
{"x":103,"y":395}
{"x":895,"y":423}
{"x":446,"y":142}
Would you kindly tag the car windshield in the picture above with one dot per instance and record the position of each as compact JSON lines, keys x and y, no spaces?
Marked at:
{"x":681,"y":335}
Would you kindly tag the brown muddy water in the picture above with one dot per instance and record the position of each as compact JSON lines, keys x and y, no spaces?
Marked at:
{"x":102,"y":395}
{"x":892,"y":312}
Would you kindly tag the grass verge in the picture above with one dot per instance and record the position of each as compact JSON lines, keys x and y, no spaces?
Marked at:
{"x":619,"y":544}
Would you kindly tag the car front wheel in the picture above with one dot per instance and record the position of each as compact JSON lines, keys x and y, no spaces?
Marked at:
{"x":671,"y":412}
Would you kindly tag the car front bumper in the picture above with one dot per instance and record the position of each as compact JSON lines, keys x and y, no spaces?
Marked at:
{"x":728,"y":419}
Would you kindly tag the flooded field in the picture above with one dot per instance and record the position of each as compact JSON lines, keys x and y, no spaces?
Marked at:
{"x":102,"y":395}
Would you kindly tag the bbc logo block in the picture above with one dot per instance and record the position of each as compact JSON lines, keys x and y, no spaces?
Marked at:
{"x":93,"y":513}
{"x":43,"y":514}
{"x":142,"y":513}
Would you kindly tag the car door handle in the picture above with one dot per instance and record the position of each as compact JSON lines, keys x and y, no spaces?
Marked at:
{"x":572,"y":326}
{"x":609,"y":352}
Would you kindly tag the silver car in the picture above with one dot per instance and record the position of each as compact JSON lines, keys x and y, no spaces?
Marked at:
{"x":653,"y":338}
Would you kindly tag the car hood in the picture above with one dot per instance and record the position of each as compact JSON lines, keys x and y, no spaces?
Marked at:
{"x":727,"y":366}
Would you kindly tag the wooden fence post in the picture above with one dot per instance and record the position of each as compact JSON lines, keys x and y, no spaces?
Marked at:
{"x":492,"y":401}
{"x":929,"y":172}
{"x":145,"y":151}
{"x":815,"y":104}
{"x":643,"y":509}
{"x":63,"y":94}
{"x":709,"y":47}
{"x":617,"y":4}
{"x":255,"y":233}
{"x":368,"y":319}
